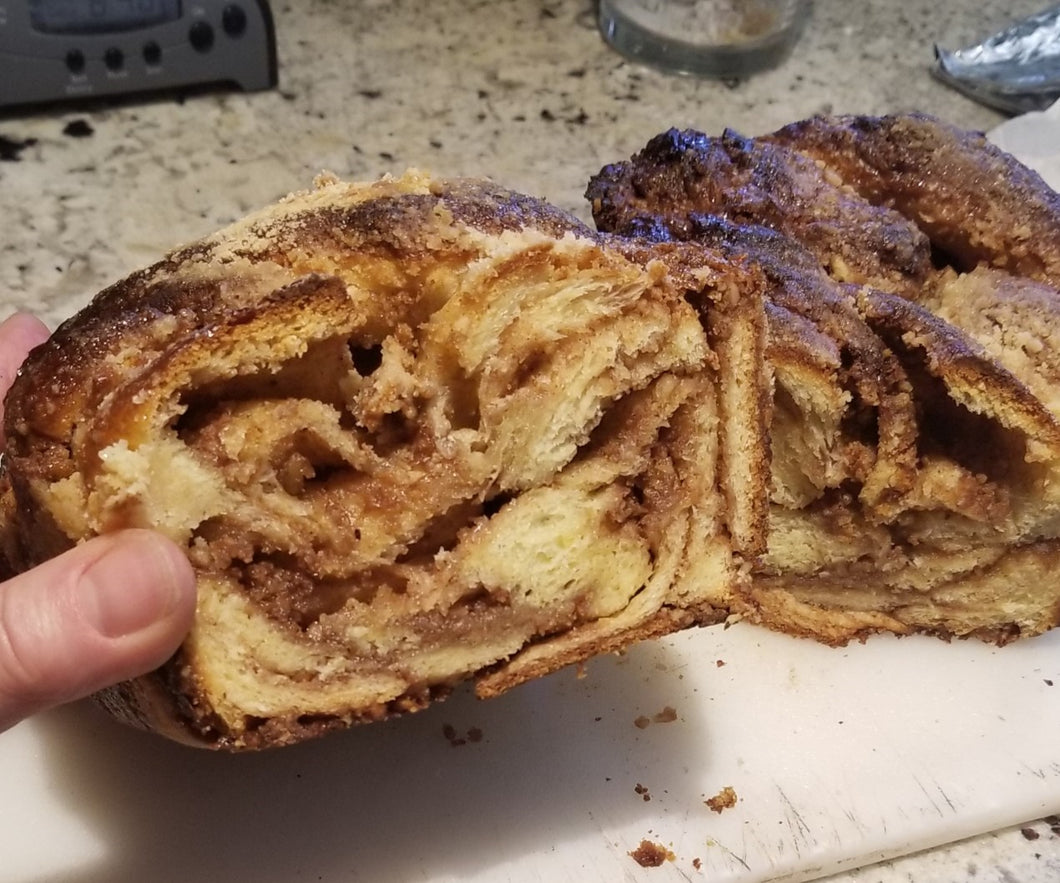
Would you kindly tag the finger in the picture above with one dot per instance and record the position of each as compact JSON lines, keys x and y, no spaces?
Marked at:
{"x":19,"y":333}
{"x":109,"y":609}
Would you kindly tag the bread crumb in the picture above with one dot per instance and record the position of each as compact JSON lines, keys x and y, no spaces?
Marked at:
{"x":643,"y":792}
{"x":723,"y":800}
{"x":474,"y":734}
{"x":666,"y":716}
{"x":651,"y":855}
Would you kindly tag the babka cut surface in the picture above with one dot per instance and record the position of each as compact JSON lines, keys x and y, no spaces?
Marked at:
{"x":409,"y":433}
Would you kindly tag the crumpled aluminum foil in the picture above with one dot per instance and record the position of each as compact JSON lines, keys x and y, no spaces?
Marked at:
{"x":1015,"y":71}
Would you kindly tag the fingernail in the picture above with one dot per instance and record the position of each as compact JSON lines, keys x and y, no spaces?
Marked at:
{"x":131,"y":587}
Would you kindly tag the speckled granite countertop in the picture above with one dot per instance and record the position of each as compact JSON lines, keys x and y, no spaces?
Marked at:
{"x":523,"y":91}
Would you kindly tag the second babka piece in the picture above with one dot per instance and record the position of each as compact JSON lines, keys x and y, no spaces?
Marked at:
{"x":913,"y":354}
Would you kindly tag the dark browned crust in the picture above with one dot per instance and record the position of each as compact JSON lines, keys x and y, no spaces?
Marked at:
{"x":683,"y":174}
{"x":665,"y":622}
{"x":168,"y":703}
{"x":974,"y":201}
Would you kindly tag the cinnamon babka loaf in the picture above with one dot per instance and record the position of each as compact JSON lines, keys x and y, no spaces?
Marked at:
{"x":913,"y":350}
{"x":409,"y":433}
{"x":418,"y":432}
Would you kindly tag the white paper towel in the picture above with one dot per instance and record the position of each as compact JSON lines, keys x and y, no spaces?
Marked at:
{"x":1034,"y":139}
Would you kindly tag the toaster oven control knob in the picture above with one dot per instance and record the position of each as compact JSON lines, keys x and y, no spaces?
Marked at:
{"x":234,"y":20}
{"x":114,"y":59}
{"x":75,"y":61}
{"x":200,"y":35}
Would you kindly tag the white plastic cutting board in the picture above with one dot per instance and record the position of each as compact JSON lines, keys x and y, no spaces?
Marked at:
{"x":838,"y":757}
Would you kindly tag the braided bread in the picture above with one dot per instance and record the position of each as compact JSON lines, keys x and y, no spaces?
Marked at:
{"x":418,"y":432}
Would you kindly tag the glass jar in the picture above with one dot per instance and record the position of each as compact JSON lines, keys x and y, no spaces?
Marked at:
{"x":713,"y":38}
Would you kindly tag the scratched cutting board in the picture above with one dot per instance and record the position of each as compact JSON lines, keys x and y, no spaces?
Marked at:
{"x":838,"y":758}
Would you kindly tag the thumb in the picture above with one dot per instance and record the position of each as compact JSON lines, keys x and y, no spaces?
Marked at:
{"x":112,"y":608}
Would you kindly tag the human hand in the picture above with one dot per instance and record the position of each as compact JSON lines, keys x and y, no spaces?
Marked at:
{"x":111,"y":608}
